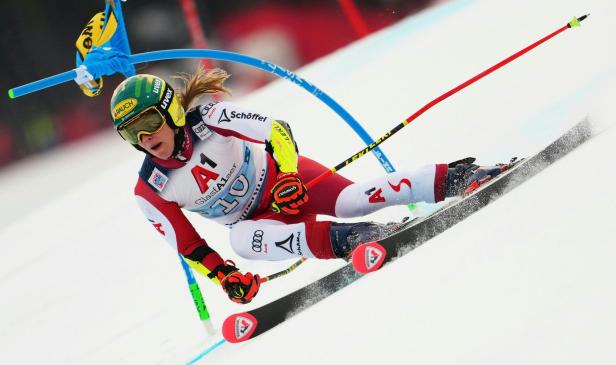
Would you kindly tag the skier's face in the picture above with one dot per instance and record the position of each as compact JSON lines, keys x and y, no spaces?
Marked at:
{"x":159,"y":144}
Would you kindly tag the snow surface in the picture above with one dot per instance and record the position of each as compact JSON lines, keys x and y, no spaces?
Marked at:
{"x":528,"y":280}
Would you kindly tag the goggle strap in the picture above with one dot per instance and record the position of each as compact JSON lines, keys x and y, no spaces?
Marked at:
{"x":165,"y":110}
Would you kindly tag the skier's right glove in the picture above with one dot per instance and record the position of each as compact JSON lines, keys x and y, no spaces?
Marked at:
{"x":241,"y":288}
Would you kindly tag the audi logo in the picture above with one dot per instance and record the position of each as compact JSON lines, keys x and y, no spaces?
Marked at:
{"x":257,"y":241}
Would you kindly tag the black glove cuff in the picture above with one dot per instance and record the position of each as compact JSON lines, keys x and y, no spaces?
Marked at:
{"x":226,"y":269}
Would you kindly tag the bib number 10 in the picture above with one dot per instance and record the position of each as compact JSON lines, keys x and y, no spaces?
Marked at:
{"x":235,"y":191}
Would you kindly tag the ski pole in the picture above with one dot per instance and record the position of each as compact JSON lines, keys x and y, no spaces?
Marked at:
{"x":283,"y":272}
{"x":204,"y":315}
{"x":573,"y":23}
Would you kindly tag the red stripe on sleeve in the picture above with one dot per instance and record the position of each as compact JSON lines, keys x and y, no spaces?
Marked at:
{"x":187,"y":238}
{"x":232,"y":133}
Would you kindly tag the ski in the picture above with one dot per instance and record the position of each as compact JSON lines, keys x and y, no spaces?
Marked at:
{"x":371,"y":256}
{"x":246,"y":325}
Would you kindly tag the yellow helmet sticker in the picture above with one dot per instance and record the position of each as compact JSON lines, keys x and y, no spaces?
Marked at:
{"x":124,"y":107}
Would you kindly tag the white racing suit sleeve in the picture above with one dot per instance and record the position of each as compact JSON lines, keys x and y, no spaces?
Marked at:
{"x":230,"y":119}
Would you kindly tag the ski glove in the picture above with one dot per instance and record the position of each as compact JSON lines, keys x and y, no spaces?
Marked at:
{"x":288,"y":193}
{"x":241,"y":288}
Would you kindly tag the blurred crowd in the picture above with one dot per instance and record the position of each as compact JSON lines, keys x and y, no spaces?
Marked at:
{"x":38,"y":41}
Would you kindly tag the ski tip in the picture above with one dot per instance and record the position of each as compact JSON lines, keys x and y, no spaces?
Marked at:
{"x":11,"y":94}
{"x":368,"y":257}
{"x":239,"y":327}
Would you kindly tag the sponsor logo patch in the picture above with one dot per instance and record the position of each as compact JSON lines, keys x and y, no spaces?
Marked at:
{"x":202,"y":131}
{"x":157,"y":85}
{"x":373,"y":257}
{"x":158,"y":180}
{"x":243,"y":326}
{"x":377,"y":197}
{"x":124,"y":107}
{"x":287,"y":244}
{"x":398,"y":186}
{"x":205,"y":109}
{"x":257,"y":242}
{"x":287,"y":191}
{"x":157,"y":226}
{"x":207,"y":160}
{"x":167,"y":99}
{"x":223,"y":117}
{"x":251,"y":116}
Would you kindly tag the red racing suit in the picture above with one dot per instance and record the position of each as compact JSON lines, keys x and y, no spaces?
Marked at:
{"x":224,"y":173}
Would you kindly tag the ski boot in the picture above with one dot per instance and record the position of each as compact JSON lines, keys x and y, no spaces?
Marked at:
{"x":464,"y":176}
{"x":345,"y":237}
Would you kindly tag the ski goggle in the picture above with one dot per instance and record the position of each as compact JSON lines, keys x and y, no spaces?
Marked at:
{"x":152,"y":119}
{"x":148,"y":122}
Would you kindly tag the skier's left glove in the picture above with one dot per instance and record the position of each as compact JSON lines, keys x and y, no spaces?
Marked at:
{"x":241,"y":288}
{"x":288,"y":193}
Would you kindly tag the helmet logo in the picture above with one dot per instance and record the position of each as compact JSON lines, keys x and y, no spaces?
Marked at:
{"x":124,"y":107}
{"x":157,"y":85}
{"x":167,"y":99}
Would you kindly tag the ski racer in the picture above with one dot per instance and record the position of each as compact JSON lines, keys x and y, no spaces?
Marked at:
{"x":235,"y":166}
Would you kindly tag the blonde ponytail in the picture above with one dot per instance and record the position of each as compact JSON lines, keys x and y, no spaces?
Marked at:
{"x":201,"y":82}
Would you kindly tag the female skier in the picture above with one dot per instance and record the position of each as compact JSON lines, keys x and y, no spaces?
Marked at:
{"x":208,"y":160}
